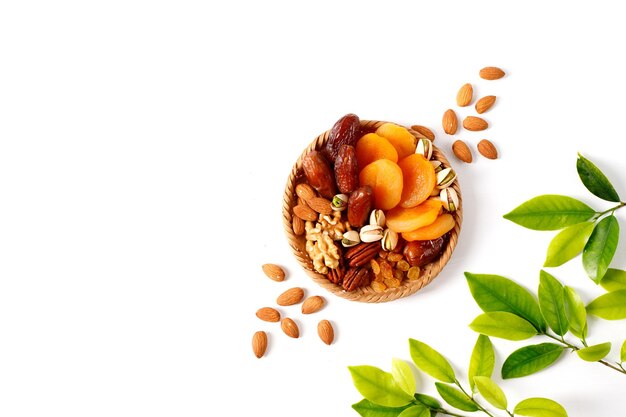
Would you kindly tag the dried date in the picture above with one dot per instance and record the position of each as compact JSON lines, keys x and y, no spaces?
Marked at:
{"x":422,"y":252}
{"x":347,"y":169}
{"x":360,"y":205}
{"x":346,"y":131}
{"x":319,"y":175}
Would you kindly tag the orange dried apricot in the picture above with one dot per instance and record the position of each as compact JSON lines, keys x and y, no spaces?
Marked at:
{"x":385,"y":178}
{"x":419,"y":180}
{"x":372,"y":147}
{"x":402,"y":219}
{"x":442,"y":225}
{"x":400,"y":138}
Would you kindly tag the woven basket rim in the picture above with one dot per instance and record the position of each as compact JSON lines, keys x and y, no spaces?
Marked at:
{"x":365,"y":294}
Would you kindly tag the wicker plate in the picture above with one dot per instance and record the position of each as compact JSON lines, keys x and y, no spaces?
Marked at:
{"x":363,"y":294}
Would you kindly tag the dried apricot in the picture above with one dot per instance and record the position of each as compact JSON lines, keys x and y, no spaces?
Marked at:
{"x":402,"y":219}
{"x":372,"y":147}
{"x":442,"y":225}
{"x":419,"y":180}
{"x":400,"y":138}
{"x":385,"y":178}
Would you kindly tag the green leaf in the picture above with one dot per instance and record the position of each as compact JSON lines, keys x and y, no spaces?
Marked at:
{"x":595,"y":180}
{"x":366,"y":408}
{"x":530,"y":359}
{"x":576,"y":313}
{"x":539,"y":407}
{"x":427,"y":400}
{"x":610,"y":306}
{"x":614,"y":279}
{"x":552,"y":303}
{"x":455,"y":397}
{"x":491,"y":392}
{"x":402,"y":373}
{"x":550,"y":212}
{"x":594,"y":353}
{"x":496,"y":293}
{"x":416,"y":410}
{"x":567,"y":244}
{"x":483,"y":359}
{"x":622,"y":354}
{"x":378,"y":386}
{"x":430,"y":361}
{"x":503,"y":325}
{"x":600,"y":248}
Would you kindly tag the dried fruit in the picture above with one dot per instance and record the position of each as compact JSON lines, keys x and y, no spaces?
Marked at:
{"x":305,"y":212}
{"x":462,"y":151}
{"x":442,"y":225}
{"x":423,"y":130}
{"x":385,"y":178}
{"x":487,"y":149}
{"x":491,"y":73}
{"x":485,"y":104}
{"x":422,"y":252}
{"x":259,"y":344}
{"x":274,"y":272}
{"x":325,"y":331}
{"x":418,"y":180}
{"x":406,"y":219}
{"x":347,"y":169}
{"x":372,"y":147}
{"x":345,"y":131}
{"x":305,"y":191}
{"x":290,"y":297}
{"x":312,"y":304}
{"x":297,"y":225}
{"x":320,"y":205}
{"x":359,"y":205}
{"x":400,"y":138}
{"x":450,"y":122}
{"x":319,"y":175}
{"x":268,"y":314}
{"x":464,"y":96}
{"x":290,"y":328}
{"x":413,"y":273}
{"x":474,"y":123}
{"x":355,"y":278}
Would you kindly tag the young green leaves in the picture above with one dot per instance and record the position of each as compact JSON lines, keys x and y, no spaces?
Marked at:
{"x":610,"y":306}
{"x":530,"y":359}
{"x":552,"y":303}
{"x":482,"y":361}
{"x":539,"y":407}
{"x":378,"y":386}
{"x":430,"y":361}
{"x":583,"y":229}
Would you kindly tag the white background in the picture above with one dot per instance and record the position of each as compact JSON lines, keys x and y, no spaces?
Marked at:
{"x":144,"y":147}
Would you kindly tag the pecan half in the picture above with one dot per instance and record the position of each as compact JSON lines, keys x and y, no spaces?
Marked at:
{"x":355,"y":278}
{"x":335,"y":275}
{"x":362,"y":253}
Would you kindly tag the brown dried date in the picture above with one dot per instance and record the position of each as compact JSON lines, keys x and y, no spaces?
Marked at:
{"x":346,"y":131}
{"x":319,"y":175}
{"x":346,"y":169}
{"x":422,"y":252}
{"x":360,"y":205}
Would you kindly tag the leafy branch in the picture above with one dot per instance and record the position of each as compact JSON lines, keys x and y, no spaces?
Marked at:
{"x":393,"y":394}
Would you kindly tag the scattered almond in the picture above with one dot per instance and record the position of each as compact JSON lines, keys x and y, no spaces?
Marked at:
{"x":487,"y":149}
{"x":290,"y":297}
{"x":462,"y":151}
{"x":325,"y":331}
{"x":274,"y":272}
{"x":320,"y":205}
{"x":305,"y":212}
{"x":491,"y":73}
{"x":298,"y":225}
{"x":485,"y":104}
{"x":450,"y":122}
{"x":305,"y":191}
{"x":259,"y":344}
{"x":312,"y":304}
{"x":464,"y":96}
{"x":423,"y":130}
{"x":474,"y":123}
{"x":290,"y":328}
{"x":268,"y":314}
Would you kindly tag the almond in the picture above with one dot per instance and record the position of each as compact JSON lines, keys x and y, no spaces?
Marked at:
{"x":450,"y":122}
{"x":305,"y":191}
{"x":268,"y":314}
{"x":325,"y":331}
{"x":475,"y":124}
{"x":290,"y":328}
{"x":290,"y":297}
{"x":320,"y":205}
{"x":298,"y":225}
{"x":487,"y":149}
{"x":462,"y":151}
{"x":259,"y":344}
{"x":305,"y":212}
{"x":274,"y":272}
{"x":423,"y":130}
{"x":464,"y":96}
{"x":312,"y":304}
{"x":485,"y":104}
{"x":491,"y":73}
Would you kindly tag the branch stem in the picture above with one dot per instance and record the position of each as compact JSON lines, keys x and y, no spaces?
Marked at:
{"x":611,"y":210}
{"x":618,"y":368}
{"x":471,"y":398}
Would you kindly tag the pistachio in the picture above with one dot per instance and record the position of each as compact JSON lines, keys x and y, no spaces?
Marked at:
{"x":424,"y":148}
{"x":437,"y":165}
{"x":339,"y":202}
{"x":445,"y":177}
{"x":350,"y":238}
{"x":390,"y":240}
{"x":377,"y":218}
{"x":450,"y":199}
{"x":371,"y":233}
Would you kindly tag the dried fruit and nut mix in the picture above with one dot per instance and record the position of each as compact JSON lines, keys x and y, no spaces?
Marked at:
{"x":376,"y":207}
